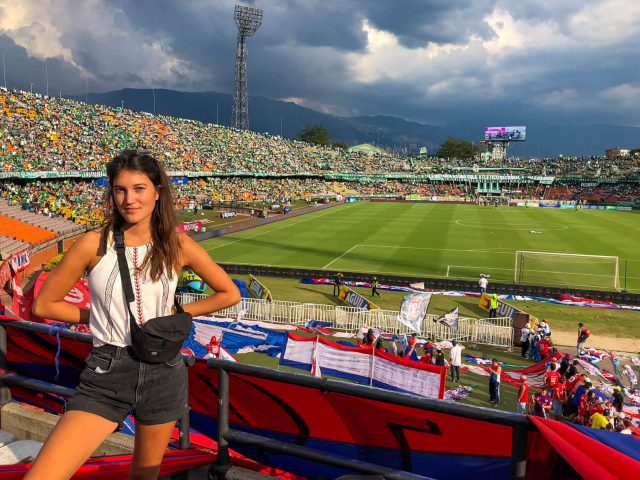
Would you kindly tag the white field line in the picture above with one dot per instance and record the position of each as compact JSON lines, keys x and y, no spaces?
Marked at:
{"x":333,"y":210}
{"x":489,"y":250}
{"x":338,"y":258}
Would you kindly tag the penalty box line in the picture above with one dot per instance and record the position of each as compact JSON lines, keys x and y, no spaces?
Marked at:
{"x":485,"y":250}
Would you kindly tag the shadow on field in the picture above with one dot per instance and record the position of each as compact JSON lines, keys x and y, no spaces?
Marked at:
{"x":408,"y":264}
{"x":328,"y":296}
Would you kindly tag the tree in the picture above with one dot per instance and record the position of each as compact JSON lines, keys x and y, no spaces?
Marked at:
{"x":314,"y":134}
{"x":457,"y":148}
{"x":340,"y":145}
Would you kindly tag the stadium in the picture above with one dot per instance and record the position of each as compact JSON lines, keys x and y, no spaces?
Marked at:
{"x":355,"y":266}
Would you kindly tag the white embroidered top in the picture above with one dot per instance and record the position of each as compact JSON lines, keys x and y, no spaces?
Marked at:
{"x":109,"y":317}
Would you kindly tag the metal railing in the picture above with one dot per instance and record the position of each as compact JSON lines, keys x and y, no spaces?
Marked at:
{"x":43,"y":386}
{"x":520,"y":424}
{"x":485,"y":331}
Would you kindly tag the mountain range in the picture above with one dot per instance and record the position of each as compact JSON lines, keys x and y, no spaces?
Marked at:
{"x":288,"y":119}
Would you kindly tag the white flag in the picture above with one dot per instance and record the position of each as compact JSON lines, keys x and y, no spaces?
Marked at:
{"x":413,"y":309}
{"x":450,"y":318}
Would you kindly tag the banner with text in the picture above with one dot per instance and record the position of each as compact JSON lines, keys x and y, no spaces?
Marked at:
{"x":258,"y":290}
{"x":354,"y":299}
{"x":190,"y":227}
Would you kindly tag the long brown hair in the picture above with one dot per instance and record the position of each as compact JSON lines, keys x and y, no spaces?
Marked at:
{"x":164,"y":254}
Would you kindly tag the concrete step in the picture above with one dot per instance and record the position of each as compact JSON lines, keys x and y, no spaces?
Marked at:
{"x":20,"y":451}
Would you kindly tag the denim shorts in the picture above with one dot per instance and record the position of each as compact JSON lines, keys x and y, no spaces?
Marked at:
{"x":114,"y":384}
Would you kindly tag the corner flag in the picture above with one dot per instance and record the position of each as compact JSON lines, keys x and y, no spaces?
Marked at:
{"x":450,"y":318}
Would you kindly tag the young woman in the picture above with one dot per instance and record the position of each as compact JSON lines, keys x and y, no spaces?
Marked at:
{"x":138,"y":202}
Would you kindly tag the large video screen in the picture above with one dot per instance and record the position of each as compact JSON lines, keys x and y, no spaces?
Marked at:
{"x":504,"y":134}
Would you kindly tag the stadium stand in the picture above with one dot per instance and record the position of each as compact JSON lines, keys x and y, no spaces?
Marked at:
{"x":17,"y":230}
{"x":53,"y":152}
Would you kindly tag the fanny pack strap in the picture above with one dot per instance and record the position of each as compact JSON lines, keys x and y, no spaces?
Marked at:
{"x":125,"y":278}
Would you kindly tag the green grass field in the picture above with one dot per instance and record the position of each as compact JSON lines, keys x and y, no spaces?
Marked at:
{"x":455,"y":241}
{"x":601,"y":322}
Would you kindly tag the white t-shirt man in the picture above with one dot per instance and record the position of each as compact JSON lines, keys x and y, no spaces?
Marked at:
{"x":524,"y":334}
{"x":455,"y":355}
{"x":483,"y":282}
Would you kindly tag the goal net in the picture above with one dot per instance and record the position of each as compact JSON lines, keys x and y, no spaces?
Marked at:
{"x":599,"y":272}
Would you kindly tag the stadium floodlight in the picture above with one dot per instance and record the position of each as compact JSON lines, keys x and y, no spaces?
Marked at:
{"x":248,"y":21}
{"x":601,"y":272}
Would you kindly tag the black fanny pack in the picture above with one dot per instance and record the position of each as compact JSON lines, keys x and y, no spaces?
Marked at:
{"x":159,"y":339}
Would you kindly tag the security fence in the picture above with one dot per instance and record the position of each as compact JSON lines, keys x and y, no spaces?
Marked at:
{"x":485,"y":331}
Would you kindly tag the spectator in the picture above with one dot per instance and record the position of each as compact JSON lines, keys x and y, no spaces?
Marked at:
{"x":542,"y":403}
{"x":559,"y":396}
{"x":455,"y":360}
{"x":439,"y":359}
{"x":525,"y":334}
{"x":493,"y":306}
{"x":522,"y":401}
{"x":583,"y":335}
{"x":495,"y":370}
{"x":483,"y":282}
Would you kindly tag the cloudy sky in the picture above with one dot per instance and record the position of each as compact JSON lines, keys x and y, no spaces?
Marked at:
{"x":434,"y":61}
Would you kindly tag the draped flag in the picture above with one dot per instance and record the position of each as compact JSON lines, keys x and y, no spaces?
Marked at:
{"x":413,"y":309}
{"x":450,"y":318}
{"x":364,"y":365}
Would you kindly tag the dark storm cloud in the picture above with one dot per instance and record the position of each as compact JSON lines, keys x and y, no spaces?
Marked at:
{"x":318,"y":51}
{"x":418,"y":22}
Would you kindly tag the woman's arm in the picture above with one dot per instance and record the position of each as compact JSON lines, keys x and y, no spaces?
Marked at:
{"x":50,"y":301}
{"x":226,"y":293}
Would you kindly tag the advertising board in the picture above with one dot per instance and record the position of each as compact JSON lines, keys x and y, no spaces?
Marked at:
{"x":506,"y":134}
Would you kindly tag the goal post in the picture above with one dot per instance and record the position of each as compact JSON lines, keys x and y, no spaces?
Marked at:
{"x":572,"y":270}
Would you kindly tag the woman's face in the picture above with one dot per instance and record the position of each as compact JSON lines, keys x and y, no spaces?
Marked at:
{"x":135,"y":196}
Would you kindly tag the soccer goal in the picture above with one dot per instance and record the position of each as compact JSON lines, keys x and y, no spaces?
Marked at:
{"x":567,"y":270}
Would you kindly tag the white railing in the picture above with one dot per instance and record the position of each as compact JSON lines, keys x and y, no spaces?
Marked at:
{"x":485,"y":331}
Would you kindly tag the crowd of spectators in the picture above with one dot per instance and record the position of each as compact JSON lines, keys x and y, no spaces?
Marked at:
{"x":44,"y":134}
{"x":74,"y":200}
{"x":79,"y":199}
{"x":57,"y":134}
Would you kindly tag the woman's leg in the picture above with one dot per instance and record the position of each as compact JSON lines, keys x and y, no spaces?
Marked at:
{"x":76,"y":436}
{"x":150,"y":445}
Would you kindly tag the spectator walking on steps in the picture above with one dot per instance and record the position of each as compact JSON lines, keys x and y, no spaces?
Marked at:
{"x":583,"y":335}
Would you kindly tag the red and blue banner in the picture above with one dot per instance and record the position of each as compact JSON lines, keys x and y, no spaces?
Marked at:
{"x":438,"y":445}
{"x":364,"y":365}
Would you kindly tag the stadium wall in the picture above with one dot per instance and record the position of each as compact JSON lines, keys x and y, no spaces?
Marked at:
{"x":435,"y":283}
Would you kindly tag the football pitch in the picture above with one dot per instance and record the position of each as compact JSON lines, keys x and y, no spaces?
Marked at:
{"x":581,"y":248}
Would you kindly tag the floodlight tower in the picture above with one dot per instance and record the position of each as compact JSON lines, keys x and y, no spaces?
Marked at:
{"x":248,"y":20}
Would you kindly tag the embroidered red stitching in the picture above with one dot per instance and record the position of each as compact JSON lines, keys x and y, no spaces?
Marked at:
{"x":136,"y":276}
